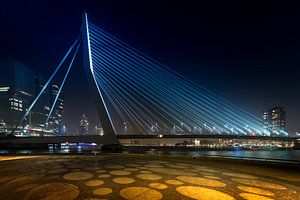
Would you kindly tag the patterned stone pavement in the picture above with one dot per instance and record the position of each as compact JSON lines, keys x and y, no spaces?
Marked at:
{"x":132,"y":177}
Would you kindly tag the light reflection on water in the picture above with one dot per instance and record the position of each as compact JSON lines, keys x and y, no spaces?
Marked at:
{"x":276,"y":154}
{"x":269,"y":154}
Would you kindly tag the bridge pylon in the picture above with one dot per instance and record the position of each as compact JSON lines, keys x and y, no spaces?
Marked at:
{"x":109,"y":137}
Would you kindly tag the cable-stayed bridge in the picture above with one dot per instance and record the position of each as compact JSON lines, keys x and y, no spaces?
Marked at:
{"x":138,"y":95}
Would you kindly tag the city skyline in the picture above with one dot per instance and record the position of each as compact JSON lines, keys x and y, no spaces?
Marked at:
{"x":270,"y":84}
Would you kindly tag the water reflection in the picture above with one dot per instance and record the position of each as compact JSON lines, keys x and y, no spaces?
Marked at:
{"x":276,"y":154}
{"x":263,"y":154}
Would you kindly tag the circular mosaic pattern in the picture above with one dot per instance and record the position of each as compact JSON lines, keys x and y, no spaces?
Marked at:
{"x":143,"y":168}
{"x":131,"y":169}
{"x":256,"y":190}
{"x":53,"y":191}
{"x":236,"y":175}
{"x":75,"y":170}
{"x":202,"y":193}
{"x":158,"y":186}
{"x":172,"y":171}
{"x":123,"y":180}
{"x":95,"y":199}
{"x":145,"y":172}
{"x":140,"y":193}
{"x":76,"y":176}
{"x":258,"y":183}
{"x":26,"y":187}
{"x":57,"y":166}
{"x":250,"y":196}
{"x":154,"y":166}
{"x":94,"y":183}
{"x":120,"y":172}
{"x":93,"y":168}
{"x":20,"y":181}
{"x":201,"y":181}
{"x":114,"y":166}
{"x":57,"y":171}
{"x":102,"y":191}
{"x":154,"y":180}
{"x":178,"y":166}
{"x":133,"y":165}
{"x":183,"y":164}
{"x":102,"y":171}
{"x":200,"y":167}
{"x":206,"y":173}
{"x":6,"y":178}
{"x":141,"y":162}
{"x":104,"y":176}
{"x":150,"y":177}
{"x":51,"y":177}
{"x":174,"y":182}
{"x":209,"y":170}
{"x":76,"y":166}
{"x":212,"y":177}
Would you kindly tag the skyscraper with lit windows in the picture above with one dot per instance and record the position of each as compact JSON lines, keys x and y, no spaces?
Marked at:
{"x":274,"y":120}
{"x":18,"y":87}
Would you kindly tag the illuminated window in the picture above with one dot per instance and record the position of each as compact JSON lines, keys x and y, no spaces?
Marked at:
{"x":4,"y":89}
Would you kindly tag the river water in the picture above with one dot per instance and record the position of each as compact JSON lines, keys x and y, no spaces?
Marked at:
{"x":261,"y":154}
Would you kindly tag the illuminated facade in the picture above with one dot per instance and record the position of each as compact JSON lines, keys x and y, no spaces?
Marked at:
{"x":274,"y":120}
{"x":56,"y":119}
{"x":18,"y":87}
{"x":84,"y":125}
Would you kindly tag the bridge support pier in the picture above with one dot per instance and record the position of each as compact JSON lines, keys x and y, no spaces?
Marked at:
{"x":114,"y":148}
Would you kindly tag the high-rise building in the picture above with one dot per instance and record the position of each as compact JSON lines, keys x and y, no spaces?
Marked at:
{"x":56,"y":118}
{"x":41,"y":109}
{"x":3,"y":128}
{"x":18,"y":88}
{"x":84,"y":125}
{"x":274,"y":120}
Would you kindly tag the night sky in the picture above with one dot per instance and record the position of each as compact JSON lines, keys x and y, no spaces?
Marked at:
{"x":246,"y":51}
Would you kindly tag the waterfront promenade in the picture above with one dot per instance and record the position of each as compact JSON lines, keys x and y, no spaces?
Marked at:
{"x":145,"y":177}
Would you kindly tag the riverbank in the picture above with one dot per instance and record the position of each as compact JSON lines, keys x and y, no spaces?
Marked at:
{"x":275,"y":158}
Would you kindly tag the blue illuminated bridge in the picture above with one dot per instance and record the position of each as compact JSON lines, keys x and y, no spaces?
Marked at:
{"x":137,"y":95}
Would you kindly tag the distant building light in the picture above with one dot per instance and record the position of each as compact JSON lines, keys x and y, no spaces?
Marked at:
{"x":25,"y":93}
{"x":4,"y":89}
